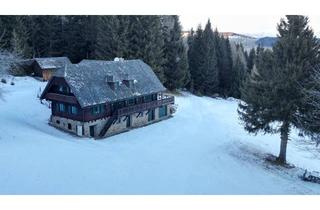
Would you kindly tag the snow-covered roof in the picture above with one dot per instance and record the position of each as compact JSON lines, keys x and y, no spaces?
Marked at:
{"x":88,"y":80}
{"x":52,"y":62}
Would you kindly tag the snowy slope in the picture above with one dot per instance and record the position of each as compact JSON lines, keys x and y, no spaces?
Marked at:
{"x":201,"y":150}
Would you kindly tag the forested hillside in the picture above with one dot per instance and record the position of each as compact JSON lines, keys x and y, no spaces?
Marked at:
{"x":157,"y":40}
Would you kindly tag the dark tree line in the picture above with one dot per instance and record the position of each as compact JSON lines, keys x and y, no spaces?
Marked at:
{"x":205,"y":63}
{"x":155,"y":39}
{"x":214,"y":67}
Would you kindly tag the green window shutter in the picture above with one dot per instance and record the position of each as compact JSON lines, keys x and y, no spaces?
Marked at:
{"x":74,"y":110}
{"x":61,"y":107}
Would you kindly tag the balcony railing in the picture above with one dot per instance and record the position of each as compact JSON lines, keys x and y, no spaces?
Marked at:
{"x":145,"y":106}
{"x":61,"y":97}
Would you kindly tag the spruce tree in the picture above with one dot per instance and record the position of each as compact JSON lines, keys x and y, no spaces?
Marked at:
{"x":78,"y":37}
{"x":145,"y":41}
{"x":251,"y":59}
{"x":273,"y":98}
{"x":210,"y":66}
{"x":203,"y":62}
{"x":7,"y":23}
{"x":238,"y":76}
{"x":176,"y":65}
{"x":197,"y":57}
{"x":108,"y":41}
{"x":191,"y":60}
{"x":153,"y":44}
{"x":225,"y":68}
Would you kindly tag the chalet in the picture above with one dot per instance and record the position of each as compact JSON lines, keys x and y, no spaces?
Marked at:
{"x":103,"y":98}
{"x":44,"y":67}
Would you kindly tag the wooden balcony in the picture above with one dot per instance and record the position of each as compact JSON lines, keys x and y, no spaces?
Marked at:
{"x":61,"y":98}
{"x":144,"y":106}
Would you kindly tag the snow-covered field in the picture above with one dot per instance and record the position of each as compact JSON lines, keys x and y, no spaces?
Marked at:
{"x":203,"y":149}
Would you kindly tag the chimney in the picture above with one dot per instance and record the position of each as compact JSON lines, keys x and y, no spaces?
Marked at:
{"x":118,"y":59}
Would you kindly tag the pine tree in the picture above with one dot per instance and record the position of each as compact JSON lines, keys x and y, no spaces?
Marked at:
{"x":225,"y":68}
{"x":210,"y":68}
{"x":76,"y":36}
{"x":237,"y":78}
{"x":145,"y":41}
{"x":7,"y":23}
{"x":239,"y":70}
{"x":203,"y":61}
{"x":251,"y":59}
{"x":191,"y":60}
{"x":197,"y":56}
{"x":108,"y":40}
{"x":273,"y":97}
{"x":176,"y":65}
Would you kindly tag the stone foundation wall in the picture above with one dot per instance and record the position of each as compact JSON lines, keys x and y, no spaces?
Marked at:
{"x":141,"y":120}
{"x":98,"y":126}
{"x":117,"y":127}
{"x":65,"y":124}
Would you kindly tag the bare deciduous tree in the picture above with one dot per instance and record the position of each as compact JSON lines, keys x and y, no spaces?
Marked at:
{"x":8,"y":60}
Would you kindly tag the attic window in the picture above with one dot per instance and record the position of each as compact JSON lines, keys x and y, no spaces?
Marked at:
{"x":63,"y":89}
{"x":110,"y":78}
{"x":111,"y":82}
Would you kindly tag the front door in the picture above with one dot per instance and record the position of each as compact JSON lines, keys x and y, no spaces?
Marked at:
{"x":128,"y":121}
{"x":92,"y":130}
{"x":79,"y":130}
{"x":151,"y":115}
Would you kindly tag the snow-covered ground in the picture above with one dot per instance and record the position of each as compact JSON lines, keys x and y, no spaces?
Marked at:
{"x":203,"y":149}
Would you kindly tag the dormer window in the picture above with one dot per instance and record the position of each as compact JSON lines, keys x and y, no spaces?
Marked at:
{"x":63,"y":89}
{"x":112,"y":82}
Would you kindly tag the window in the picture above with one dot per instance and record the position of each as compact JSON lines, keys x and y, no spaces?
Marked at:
{"x":74,"y":110}
{"x":148,"y":98}
{"x":97,"y":109}
{"x":63,"y":89}
{"x":151,"y":114}
{"x":131,"y":101}
{"x":154,"y":97}
{"x":60,"y":107}
{"x":69,"y":126}
{"x":60,"y":89}
{"x":162,"y":111}
{"x":121,"y":104}
{"x":58,"y":121}
{"x":139,"y":100}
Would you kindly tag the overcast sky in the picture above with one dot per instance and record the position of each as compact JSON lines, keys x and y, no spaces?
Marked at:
{"x":246,"y":24}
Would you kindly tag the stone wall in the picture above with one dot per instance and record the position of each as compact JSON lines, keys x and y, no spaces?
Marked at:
{"x":65,"y":124}
{"x":141,"y":120}
{"x":117,"y":127}
{"x":98,"y":126}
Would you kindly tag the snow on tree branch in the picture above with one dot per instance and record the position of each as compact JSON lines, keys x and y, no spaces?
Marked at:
{"x":7,"y":61}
